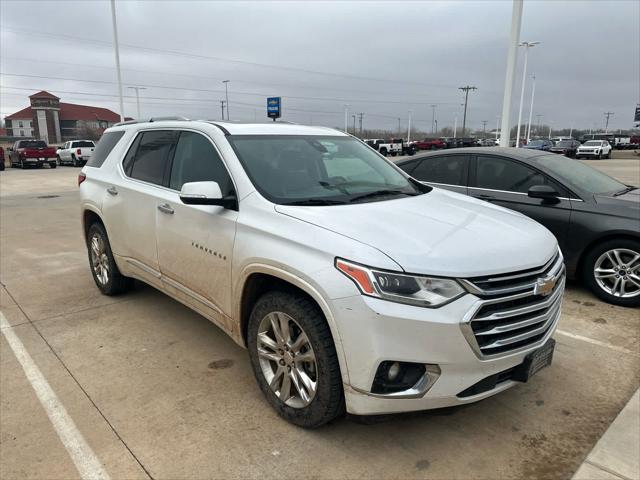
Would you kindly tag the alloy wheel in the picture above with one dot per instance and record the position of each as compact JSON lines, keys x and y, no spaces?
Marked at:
{"x":99,"y":259}
{"x":617,"y":272}
{"x":287,"y":360}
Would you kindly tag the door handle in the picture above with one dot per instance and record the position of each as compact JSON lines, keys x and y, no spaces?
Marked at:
{"x":165,"y":208}
{"x":112,"y":190}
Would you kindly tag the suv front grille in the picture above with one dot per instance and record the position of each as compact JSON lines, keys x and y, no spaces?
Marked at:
{"x":516,"y":310}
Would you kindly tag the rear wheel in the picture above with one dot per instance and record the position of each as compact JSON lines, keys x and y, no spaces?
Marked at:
{"x":53,"y":165}
{"x":612,"y":271}
{"x":58,"y":161}
{"x":383,"y":151}
{"x":74,"y":161}
{"x":294,"y":359}
{"x":103,"y":266}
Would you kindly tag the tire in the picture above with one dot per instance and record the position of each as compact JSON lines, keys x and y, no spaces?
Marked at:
{"x":383,"y":152}
{"x":53,"y":165}
{"x":74,"y":161}
{"x":22,"y":166}
{"x":605,"y":287}
{"x":114,"y":282}
{"x":600,"y":156}
{"x":58,"y":161}
{"x":302,"y":316}
{"x":609,"y":155}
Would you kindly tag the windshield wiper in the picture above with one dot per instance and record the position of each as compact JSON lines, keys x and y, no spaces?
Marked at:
{"x":332,"y":186}
{"x":315,"y":201}
{"x":381,"y":193}
{"x":626,"y":190}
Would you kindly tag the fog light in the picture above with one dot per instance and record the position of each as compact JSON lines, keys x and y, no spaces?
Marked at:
{"x":394,"y":370}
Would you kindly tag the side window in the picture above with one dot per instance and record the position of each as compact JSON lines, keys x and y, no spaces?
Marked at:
{"x":448,"y":169}
{"x":497,"y":173}
{"x":409,"y":166}
{"x":196,"y":160}
{"x":103,"y":149}
{"x":152,"y":156}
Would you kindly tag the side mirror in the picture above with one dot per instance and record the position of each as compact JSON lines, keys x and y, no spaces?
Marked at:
{"x":545,"y":192}
{"x":206,"y":193}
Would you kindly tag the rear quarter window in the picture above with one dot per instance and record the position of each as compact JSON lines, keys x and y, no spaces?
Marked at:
{"x":104,"y":147}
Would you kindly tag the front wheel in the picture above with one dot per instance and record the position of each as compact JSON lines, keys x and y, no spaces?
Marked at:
{"x":103,"y":266}
{"x":74,"y":161}
{"x":294,"y":359}
{"x":53,"y":165}
{"x":611,"y":270}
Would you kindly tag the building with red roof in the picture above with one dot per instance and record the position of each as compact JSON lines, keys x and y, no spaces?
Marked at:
{"x":49,"y":119}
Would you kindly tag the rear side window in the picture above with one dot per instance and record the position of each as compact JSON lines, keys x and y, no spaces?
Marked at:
{"x":503,"y":174}
{"x":84,"y":144}
{"x":449,"y":170}
{"x":152,"y":156}
{"x":104,"y":147}
{"x":196,"y":160}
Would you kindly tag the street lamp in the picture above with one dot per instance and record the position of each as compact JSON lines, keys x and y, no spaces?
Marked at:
{"x":526,"y":46}
{"x":346,"y":116}
{"x":137,"y":89}
{"x":226,"y":93}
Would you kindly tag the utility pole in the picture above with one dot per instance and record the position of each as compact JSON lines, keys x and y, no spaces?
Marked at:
{"x":484,"y":128}
{"x":360,"y":115}
{"x":398,"y":126}
{"x":606,"y":125}
{"x":117,"y":52}
{"x":497,"y":125}
{"x":222,"y":103}
{"x":466,"y":98}
{"x":346,"y":116}
{"x":514,"y":39}
{"x":137,"y":89}
{"x":533,"y":92}
{"x":455,"y":126}
{"x":527,"y":46}
{"x":226,"y":93}
{"x":433,"y":116}
{"x":354,"y":123}
{"x":409,"y":128}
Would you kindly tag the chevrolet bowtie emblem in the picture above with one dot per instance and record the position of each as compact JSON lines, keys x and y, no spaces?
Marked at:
{"x":544,"y":286}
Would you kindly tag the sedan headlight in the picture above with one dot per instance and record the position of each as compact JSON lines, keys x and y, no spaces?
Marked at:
{"x":401,"y":288}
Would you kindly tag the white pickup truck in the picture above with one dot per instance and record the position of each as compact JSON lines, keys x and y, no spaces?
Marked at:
{"x":385,"y":147}
{"x":75,"y":152}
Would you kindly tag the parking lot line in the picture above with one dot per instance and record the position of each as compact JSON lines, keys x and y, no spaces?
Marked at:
{"x":79,"y":450}
{"x":593,"y":341}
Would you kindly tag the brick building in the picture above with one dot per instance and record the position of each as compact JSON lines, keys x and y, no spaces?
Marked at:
{"x":49,"y":119}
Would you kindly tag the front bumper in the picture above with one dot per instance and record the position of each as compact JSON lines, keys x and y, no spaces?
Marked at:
{"x":374,"y":330}
{"x":589,"y":154}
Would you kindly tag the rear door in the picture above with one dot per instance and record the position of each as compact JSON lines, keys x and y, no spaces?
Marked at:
{"x":506,"y":182}
{"x":445,"y":171}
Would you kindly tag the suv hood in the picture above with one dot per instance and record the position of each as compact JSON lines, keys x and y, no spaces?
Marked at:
{"x":438,"y":233}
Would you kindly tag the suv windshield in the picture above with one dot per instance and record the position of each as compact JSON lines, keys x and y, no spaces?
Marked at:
{"x":319,"y":170}
{"x":580,"y":175}
{"x":32,"y":144}
{"x":593,"y":143}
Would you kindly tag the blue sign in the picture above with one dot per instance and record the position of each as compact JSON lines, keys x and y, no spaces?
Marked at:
{"x":274,"y":107}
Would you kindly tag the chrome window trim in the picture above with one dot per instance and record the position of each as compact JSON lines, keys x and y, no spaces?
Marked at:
{"x":520,"y":193}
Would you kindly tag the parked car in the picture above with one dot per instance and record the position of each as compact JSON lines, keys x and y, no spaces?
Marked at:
{"x":555,"y":140}
{"x":542,"y":144}
{"x":429,"y":144}
{"x":1,"y":159}
{"x":405,"y":148}
{"x":594,"y":149}
{"x":593,"y":216}
{"x":485,"y":142}
{"x":451,"y":142}
{"x":626,"y":143}
{"x":385,"y":147}
{"x":566,"y":147}
{"x":297,"y":241}
{"x":27,"y":153}
{"x":75,"y":153}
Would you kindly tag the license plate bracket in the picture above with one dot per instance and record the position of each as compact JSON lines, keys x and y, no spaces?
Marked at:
{"x":535,"y":361}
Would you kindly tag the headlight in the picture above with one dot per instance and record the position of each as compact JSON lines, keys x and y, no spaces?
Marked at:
{"x":401,"y":288}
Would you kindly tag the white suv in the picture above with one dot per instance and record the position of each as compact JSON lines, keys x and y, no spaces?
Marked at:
{"x":352,"y":285}
{"x":594,"y":149}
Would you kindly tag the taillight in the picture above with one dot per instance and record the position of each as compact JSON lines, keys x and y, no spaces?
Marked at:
{"x":79,"y":152}
{"x":81,"y":178}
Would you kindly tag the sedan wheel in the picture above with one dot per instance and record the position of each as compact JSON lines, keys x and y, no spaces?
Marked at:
{"x":612,"y":272}
{"x":287,"y":360}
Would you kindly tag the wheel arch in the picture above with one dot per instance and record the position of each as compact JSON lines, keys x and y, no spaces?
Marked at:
{"x":256,"y":280}
{"x":89,"y":217}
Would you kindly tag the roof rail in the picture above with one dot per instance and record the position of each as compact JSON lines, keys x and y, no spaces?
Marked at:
{"x":152,"y":119}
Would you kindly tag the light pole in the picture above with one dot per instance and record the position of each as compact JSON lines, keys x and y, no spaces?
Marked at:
{"x":433,"y":116}
{"x":398,"y":126}
{"x":137,"y":89}
{"x":346,"y":116}
{"x":527,"y":46}
{"x":455,"y":126}
{"x":538,"y":123}
{"x":226,"y":94}
{"x":117,"y":52}
{"x":533,"y":92}
{"x":606,"y":126}
{"x":514,"y":38}
{"x":409,"y":128}
{"x":354,"y":124}
{"x":497,"y":125}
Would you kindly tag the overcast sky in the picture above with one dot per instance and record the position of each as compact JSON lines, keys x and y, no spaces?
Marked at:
{"x":381,"y":58}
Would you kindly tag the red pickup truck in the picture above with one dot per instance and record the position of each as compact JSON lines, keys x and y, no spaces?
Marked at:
{"x":429,"y":144}
{"x":26,"y":153}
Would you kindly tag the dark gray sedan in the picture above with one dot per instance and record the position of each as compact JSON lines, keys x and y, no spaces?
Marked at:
{"x":595,"y":218}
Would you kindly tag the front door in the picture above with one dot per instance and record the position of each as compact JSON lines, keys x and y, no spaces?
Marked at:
{"x":505,"y":181}
{"x":445,"y":171}
{"x":195,"y":242}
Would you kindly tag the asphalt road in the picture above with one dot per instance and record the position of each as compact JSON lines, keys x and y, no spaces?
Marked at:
{"x":157,"y":391}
